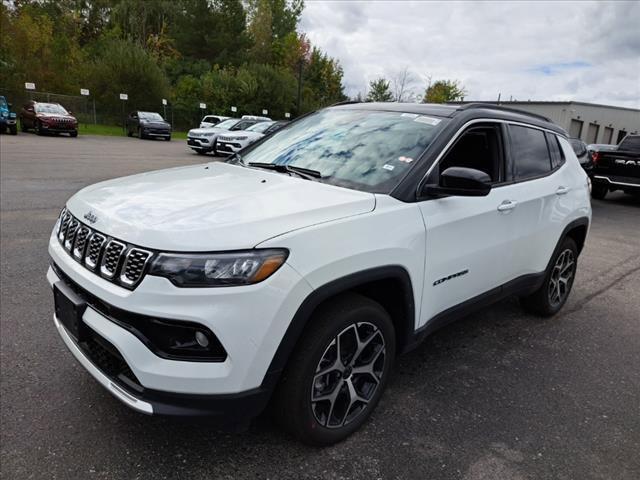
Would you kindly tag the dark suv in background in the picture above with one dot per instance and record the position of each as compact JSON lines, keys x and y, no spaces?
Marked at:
{"x":47,"y":117}
{"x":148,"y":125}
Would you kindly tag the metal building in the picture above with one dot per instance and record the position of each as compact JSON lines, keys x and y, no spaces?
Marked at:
{"x":590,"y":122}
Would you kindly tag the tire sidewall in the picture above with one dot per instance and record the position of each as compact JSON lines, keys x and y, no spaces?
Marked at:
{"x":362,"y":313}
{"x":567,"y":244}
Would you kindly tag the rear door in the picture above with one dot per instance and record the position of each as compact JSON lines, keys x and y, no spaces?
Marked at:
{"x":540,"y":190}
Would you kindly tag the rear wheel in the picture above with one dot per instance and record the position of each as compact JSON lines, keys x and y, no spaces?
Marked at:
{"x":553,"y":293}
{"x":336,"y":375}
{"x":599,"y":191}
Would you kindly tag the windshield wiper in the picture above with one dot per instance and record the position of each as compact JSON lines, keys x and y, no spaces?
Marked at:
{"x":300,"y":171}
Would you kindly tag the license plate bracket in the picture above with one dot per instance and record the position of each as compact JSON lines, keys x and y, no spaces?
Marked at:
{"x":69,"y":309}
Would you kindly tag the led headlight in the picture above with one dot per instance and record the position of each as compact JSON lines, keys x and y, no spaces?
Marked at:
{"x":218,"y":269}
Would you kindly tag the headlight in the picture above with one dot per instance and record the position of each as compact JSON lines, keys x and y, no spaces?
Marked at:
{"x":218,"y":269}
{"x":4,"y":114}
{"x":208,"y":134}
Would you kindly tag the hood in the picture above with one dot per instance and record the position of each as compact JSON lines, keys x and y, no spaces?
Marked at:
{"x":233,"y":135}
{"x":55,"y":116}
{"x":155,"y":124}
{"x":200,"y":131}
{"x":212,"y":207}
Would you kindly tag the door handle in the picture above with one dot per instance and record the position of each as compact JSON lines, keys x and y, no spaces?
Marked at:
{"x":562,"y":190}
{"x":507,"y":205}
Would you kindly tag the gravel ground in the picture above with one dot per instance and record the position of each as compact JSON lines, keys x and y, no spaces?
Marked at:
{"x":499,"y":394}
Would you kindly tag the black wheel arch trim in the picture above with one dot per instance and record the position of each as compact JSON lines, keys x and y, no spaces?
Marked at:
{"x":331,"y":289}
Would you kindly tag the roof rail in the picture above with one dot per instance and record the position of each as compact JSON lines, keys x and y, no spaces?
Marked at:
{"x":469,"y":106}
{"x":345,"y":102}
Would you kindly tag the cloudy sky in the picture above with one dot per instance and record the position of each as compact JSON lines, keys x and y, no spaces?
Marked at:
{"x":585,"y":51}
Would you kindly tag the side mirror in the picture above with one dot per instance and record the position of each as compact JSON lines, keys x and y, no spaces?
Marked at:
{"x":460,"y":181}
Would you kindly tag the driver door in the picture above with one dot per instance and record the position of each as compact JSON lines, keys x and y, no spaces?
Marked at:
{"x":469,"y":239}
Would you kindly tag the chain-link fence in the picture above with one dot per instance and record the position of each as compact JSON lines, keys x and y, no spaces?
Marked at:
{"x":182,"y":115}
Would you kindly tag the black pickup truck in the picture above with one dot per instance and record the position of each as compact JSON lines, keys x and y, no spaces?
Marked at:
{"x":617,"y":169}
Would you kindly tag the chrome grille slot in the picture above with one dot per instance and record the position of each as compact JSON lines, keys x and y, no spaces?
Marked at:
{"x":64,"y":223}
{"x":71,"y":234}
{"x":111,"y":258}
{"x":81,"y":242}
{"x":115,"y":261}
{"x":133,"y":267}
{"x":93,"y":250}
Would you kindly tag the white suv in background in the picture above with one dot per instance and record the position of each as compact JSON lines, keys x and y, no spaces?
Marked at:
{"x":232,"y":142}
{"x":203,"y":140}
{"x":297,"y":272}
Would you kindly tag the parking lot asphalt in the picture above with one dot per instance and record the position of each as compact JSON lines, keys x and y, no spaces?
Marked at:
{"x":498,"y":395}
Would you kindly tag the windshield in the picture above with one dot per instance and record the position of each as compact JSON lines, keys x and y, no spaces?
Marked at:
{"x":3,"y":102}
{"x":227,"y":124}
{"x":259,"y":127}
{"x":50,"y":108}
{"x":360,"y":149}
{"x":151,"y":116}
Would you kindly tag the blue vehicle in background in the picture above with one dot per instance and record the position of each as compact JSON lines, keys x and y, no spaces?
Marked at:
{"x":7,"y":117}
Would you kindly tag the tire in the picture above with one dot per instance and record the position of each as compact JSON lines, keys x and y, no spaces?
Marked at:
{"x":168,"y":139}
{"x":13,"y":129}
{"x":200,"y":152}
{"x":140,"y":135}
{"x":599,"y":191}
{"x":552,"y":295}
{"x":73,"y":134}
{"x":129,"y":133}
{"x":39,"y":129}
{"x":23,"y":127}
{"x":356,"y":321}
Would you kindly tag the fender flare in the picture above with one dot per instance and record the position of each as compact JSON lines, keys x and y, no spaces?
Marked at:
{"x":404,"y":327}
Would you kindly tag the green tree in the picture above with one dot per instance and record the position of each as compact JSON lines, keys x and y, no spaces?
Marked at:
{"x":379,"y":91}
{"x":125,"y":67}
{"x":444,"y":91}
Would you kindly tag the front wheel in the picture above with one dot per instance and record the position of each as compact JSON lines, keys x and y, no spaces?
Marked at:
{"x":73,"y":134}
{"x":23,"y":126}
{"x":338,"y":371}
{"x":599,"y":191}
{"x":13,"y":129}
{"x":39,"y":129}
{"x":555,"y":289}
{"x":168,"y":139}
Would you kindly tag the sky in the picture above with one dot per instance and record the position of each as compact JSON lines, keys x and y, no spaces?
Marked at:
{"x":582,"y":51}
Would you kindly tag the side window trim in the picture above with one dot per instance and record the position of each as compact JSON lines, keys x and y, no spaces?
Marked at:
{"x":535,"y":177}
{"x":500,"y":131}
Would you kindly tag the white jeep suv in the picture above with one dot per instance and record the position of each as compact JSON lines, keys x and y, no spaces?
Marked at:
{"x":296,"y":273}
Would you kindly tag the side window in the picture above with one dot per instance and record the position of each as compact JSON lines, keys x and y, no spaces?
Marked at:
{"x":529,"y":151}
{"x":557,"y":157}
{"x":479,"y":147}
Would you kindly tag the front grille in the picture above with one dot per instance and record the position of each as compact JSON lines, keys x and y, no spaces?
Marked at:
{"x":114,"y":260}
{"x":111,"y":258}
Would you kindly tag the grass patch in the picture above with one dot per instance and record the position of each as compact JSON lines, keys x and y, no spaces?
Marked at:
{"x":114,"y":131}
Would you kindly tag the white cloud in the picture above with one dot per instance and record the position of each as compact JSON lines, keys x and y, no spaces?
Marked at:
{"x":585,"y":51}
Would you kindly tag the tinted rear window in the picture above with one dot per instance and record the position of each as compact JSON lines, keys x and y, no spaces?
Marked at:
{"x":630,"y":143}
{"x":530,"y":152}
{"x":557,"y":157}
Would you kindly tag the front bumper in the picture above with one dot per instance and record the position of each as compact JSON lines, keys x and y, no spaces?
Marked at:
{"x":199,"y":143}
{"x":228,"y":148}
{"x":249,"y":321}
{"x":617,"y":182}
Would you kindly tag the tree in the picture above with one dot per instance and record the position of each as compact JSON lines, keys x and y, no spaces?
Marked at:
{"x":443,"y":91}
{"x":401,"y":86}
{"x":379,"y":91}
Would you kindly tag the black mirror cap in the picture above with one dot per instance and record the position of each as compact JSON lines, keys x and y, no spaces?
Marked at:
{"x":461,"y":181}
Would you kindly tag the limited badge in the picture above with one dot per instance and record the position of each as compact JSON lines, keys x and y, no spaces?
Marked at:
{"x":386,"y":166}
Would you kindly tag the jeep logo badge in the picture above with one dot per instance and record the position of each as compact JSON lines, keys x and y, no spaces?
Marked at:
{"x":89,"y":216}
